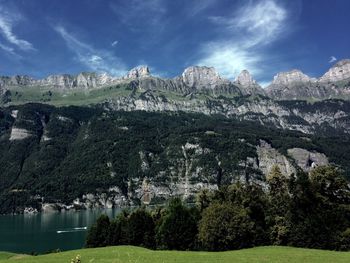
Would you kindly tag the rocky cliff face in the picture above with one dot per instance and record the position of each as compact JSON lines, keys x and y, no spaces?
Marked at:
{"x":193,"y":79}
{"x":248,"y":85}
{"x":202,"y":89}
{"x":291,"y":77}
{"x":307,"y":118}
{"x":202,"y":77}
{"x":81,"y":81}
{"x":340,"y":71}
{"x":307,"y":160}
{"x":245,"y":79}
{"x":15,"y":81}
{"x":138,"y":72}
{"x":292,"y":85}
{"x":205,"y":80}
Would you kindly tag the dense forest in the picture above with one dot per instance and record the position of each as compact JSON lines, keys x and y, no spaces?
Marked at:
{"x":305,"y":210}
{"x":72,"y":151}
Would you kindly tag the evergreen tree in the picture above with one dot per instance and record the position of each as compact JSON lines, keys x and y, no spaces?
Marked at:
{"x":140,"y":229}
{"x":118,"y":229}
{"x":279,"y":206}
{"x":178,"y":227}
{"x":98,"y":235}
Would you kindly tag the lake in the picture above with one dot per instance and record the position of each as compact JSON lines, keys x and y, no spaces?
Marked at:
{"x":47,"y":231}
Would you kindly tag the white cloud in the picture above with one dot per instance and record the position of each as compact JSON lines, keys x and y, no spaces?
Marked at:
{"x":263,"y":22}
{"x":7,"y":22}
{"x":246,"y":33}
{"x":264,"y":84}
{"x":195,"y":7}
{"x":229,"y":59}
{"x":96,"y":60}
{"x":332,"y":59}
{"x":7,"y":48}
{"x":114,"y":43}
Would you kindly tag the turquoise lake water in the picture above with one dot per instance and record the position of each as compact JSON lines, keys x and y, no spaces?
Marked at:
{"x":47,"y":231}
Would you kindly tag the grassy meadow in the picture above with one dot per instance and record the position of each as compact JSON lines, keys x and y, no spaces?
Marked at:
{"x":129,"y":254}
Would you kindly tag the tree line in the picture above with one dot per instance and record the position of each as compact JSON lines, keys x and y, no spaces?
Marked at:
{"x":303,"y":210}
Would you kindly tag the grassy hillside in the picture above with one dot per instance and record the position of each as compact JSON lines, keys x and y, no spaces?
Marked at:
{"x":135,"y":254}
{"x":22,"y":95}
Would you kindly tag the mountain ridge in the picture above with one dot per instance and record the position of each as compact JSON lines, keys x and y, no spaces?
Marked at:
{"x":292,"y":84}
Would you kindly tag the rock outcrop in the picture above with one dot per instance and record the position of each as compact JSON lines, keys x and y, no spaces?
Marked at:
{"x":19,"y":134}
{"x":247,"y":84}
{"x":16,"y":81}
{"x":83,"y":80}
{"x":245,"y":79}
{"x":304,"y":117}
{"x":138,"y":72}
{"x":268,"y":157}
{"x":290,"y":85}
{"x":335,"y":83}
{"x":340,"y":71}
{"x":202,"y":77}
{"x":307,"y":160}
{"x":291,"y":77}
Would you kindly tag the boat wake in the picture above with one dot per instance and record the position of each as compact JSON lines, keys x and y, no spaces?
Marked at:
{"x":74,"y":229}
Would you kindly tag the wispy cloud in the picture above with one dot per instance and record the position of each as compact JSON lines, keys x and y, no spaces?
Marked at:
{"x":114,"y":43}
{"x":195,"y":7}
{"x":7,"y":21}
{"x":139,"y":14}
{"x":229,"y":59}
{"x":7,"y":48}
{"x":246,"y":32}
{"x":94,"y":59}
{"x":332,"y":59}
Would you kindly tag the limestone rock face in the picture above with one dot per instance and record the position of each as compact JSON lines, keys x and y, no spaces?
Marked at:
{"x":58,"y":81}
{"x":83,"y":80}
{"x":340,"y":71}
{"x":245,"y":79}
{"x":247,"y":84}
{"x":296,"y":85}
{"x":138,"y":72}
{"x":306,"y":159}
{"x":268,"y":157}
{"x":15,"y":81}
{"x":19,"y":134}
{"x":202,"y":77}
{"x":292,"y":85}
{"x":298,"y":116}
{"x":291,"y":77}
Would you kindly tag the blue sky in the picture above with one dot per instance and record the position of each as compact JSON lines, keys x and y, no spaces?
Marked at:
{"x":41,"y":37}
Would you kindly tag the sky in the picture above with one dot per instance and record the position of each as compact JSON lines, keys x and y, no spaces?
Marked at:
{"x":41,"y":37}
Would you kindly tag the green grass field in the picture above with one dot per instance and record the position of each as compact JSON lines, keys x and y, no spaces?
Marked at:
{"x":129,"y":254}
{"x":69,"y":97}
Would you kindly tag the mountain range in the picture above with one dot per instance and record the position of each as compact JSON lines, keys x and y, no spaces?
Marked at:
{"x":293,"y":84}
{"x":93,"y":140}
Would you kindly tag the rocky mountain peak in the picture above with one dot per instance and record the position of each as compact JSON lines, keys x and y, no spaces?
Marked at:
{"x":201,"y":76}
{"x":340,"y":71}
{"x":245,"y":79}
{"x":138,"y":72}
{"x":291,"y":77}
